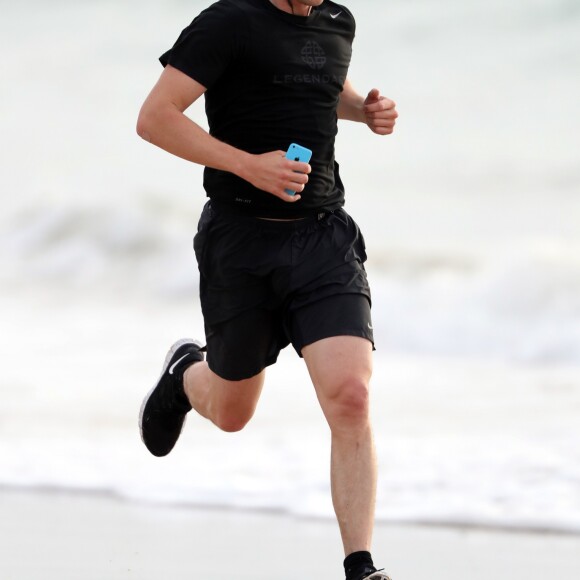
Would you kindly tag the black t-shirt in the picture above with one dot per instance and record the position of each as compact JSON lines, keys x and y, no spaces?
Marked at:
{"x":272,"y":79}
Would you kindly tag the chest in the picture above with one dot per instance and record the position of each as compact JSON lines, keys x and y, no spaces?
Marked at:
{"x":309,"y":56}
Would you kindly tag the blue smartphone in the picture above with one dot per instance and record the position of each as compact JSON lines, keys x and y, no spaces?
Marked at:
{"x":297,"y":153}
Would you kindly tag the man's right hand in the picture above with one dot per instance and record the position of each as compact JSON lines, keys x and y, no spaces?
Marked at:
{"x":273,"y":173}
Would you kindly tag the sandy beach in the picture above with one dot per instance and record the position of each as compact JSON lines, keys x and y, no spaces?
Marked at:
{"x":61,"y":536}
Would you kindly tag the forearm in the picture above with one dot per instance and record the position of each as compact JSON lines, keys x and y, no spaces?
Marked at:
{"x":351,"y":110}
{"x":171,"y":130}
{"x":351,"y":104}
{"x":165,"y":126}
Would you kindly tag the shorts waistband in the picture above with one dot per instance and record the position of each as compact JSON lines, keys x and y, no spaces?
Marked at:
{"x":290,"y":223}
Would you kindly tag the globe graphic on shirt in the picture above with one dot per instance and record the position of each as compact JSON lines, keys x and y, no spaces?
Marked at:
{"x":313,"y":55}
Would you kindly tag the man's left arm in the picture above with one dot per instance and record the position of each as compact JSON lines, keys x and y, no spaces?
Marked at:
{"x":377,"y":111}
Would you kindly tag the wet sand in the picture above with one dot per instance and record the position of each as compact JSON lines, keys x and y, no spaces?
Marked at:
{"x":50,"y":535}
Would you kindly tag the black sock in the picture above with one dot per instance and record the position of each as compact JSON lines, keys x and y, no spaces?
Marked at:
{"x":357,"y":564}
{"x":181,"y":401}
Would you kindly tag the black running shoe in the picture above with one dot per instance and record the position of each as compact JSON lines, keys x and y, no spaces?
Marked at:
{"x":165,"y":407}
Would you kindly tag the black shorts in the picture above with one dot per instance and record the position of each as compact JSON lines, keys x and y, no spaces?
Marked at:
{"x":265,"y":284}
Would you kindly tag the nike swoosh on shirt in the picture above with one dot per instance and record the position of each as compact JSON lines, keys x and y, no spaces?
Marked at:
{"x":336,"y":15}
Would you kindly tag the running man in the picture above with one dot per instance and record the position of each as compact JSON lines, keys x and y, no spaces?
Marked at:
{"x":275,"y":269}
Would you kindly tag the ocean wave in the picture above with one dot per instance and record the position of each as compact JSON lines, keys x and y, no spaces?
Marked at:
{"x":497,"y":482}
{"x":99,"y":250}
{"x":523,"y":305}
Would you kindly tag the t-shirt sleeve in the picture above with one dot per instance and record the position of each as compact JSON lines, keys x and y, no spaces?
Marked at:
{"x":209,"y":45}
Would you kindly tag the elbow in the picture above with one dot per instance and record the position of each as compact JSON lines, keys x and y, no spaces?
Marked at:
{"x":145,"y":123}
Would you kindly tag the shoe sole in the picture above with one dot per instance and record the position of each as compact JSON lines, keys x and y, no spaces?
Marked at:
{"x":168,"y":358}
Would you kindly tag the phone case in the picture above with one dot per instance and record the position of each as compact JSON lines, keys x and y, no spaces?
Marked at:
{"x":297,"y":153}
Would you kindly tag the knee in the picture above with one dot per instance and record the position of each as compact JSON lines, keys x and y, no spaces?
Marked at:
{"x":348,"y":406}
{"x":231,"y":422}
{"x":233,"y":403}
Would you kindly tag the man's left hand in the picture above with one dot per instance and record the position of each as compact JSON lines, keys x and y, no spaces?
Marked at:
{"x":380,"y":113}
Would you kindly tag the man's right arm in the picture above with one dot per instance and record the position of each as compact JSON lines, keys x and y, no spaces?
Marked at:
{"x":163,"y":123}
